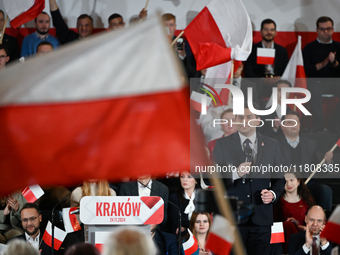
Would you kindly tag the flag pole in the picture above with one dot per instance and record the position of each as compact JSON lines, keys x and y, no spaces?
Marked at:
{"x":3,"y":29}
{"x":173,"y":42}
{"x":320,"y":164}
{"x":226,"y":211}
{"x":231,"y":81}
{"x":295,"y":97}
{"x":146,"y":5}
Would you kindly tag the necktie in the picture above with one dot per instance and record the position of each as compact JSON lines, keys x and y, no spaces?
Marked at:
{"x":314,"y":247}
{"x":247,"y":150}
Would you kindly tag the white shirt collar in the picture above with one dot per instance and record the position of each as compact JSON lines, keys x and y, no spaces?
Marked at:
{"x":252,"y":138}
{"x":271,"y":47}
{"x":294,"y":143}
{"x":141,"y":186}
{"x":330,"y":42}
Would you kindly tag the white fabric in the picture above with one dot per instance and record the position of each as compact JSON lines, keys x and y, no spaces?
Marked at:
{"x":79,"y":72}
{"x":33,"y":241}
{"x":58,"y":233}
{"x":16,"y":7}
{"x":234,"y":24}
{"x":222,"y":228}
{"x":190,"y":207}
{"x":144,"y":191}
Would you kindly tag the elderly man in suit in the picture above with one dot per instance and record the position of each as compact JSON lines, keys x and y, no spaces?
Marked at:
{"x":244,"y":149}
{"x":309,"y":241}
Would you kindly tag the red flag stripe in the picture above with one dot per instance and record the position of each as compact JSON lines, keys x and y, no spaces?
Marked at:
{"x":99,"y":246}
{"x":73,"y":219}
{"x":157,"y":217}
{"x":28,"y":194}
{"x":265,"y":60}
{"x":30,"y":14}
{"x":331,"y":232}
{"x":196,"y":105}
{"x":218,"y":245}
{"x":277,"y":238}
{"x":48,"y":240}
{"x":338,"y":142}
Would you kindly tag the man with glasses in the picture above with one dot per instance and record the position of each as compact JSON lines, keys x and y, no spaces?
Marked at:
{"x":321,"y":60}
{"x":269,"y":73}
{"x":31,"y":219}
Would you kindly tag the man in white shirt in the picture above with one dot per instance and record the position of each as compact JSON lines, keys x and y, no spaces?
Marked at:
{"x":309,"y":241}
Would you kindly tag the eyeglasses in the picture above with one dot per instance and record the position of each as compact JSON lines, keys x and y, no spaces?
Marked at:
{"x":323,"y":29}
{"x":3,"y":56}
{"x":29,"y":219}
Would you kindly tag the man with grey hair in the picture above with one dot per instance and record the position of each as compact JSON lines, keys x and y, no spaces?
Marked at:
{"x":129,"y":241}
{"x":20,"y":247}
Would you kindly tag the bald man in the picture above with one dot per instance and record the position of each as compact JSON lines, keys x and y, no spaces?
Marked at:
{"x":307,"y":241}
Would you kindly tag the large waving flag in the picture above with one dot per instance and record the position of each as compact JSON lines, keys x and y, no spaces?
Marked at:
{"x":294,"y":72}
{"x":220,"y":32}
{"x":190,"y":247}
{"x":332,"y":228}
{"x":22,"y":11}
{"x":104,"y":108}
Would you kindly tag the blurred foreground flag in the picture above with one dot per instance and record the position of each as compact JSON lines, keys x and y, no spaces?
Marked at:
{"x":22,"y":11}
{"x":332,"y":228}
{"x":220,"y":32}
{"x":277,"y":235}
{"x":190,"y":247}
{"x":103,"y":108}
{"x":32,"y":193}
{"x":221,"y":236}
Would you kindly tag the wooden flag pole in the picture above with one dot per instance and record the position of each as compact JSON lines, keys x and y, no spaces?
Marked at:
{"x":3,"y":29}
{"x":319,"y":165}
{"x":173,"y":42}
{"x":146,"y":5}
{"x":231,"y":82}
{"x":295,"y":97}
{"x":226,"y":211}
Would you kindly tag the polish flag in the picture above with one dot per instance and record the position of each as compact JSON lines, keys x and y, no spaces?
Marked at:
{"x":338,"y":142}
{"x":32,"y":193}
{"x":71,"y":222}
{"x":277,"y":233}
{"x":294,"y":72}
{"x":22,"y":11}
{"x":221,"y":236}
{"x":332,"y":228}
{"x":59,"y":236}
{"x":196,"y":101}
{"x":220,"y":32}
{"x":104,"y":102}
{"x":265,"y":56}
{"x":190,"y":247}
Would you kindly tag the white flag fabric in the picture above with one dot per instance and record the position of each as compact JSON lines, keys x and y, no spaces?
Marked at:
{"x":32,"y":193}
{"x":59,"y":236}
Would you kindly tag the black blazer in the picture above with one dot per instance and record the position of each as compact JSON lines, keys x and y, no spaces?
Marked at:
{"x":45,"y":249}
{"x":267,"y":128}
{"x":157,"y":189}
{"x":253,"y":70}
{"x":173,"y":213}
{"x":228,"y":150}
{"x":13,"y":47}
{"x":296,"y":241}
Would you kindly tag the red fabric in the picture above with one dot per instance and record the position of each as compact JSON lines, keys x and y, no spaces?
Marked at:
{"x":30,"y":14}
{"x":73,"y":219}
{"x":338,"y":142}
{"x":218,"y":245}
{"x":265,"y":60}
{"x":29,"y":195}
{"x":277,"y":238}
{"x":100,"y":246}
{"x":331,"y":232}
{"x":99,"y":139}
{"x":206,"y":41}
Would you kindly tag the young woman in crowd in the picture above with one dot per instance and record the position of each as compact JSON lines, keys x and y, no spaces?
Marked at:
{"x":200,"y":224}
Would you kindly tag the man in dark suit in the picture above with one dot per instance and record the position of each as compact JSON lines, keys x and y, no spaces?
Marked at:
{"x":145,"y":186}
{"x":309,"y":241}
{"x":31,"y":218}
{"x":9,"y":41}
{"x":269,"y":73}
{"x":301,"y":151}
{"x":258,"y":188}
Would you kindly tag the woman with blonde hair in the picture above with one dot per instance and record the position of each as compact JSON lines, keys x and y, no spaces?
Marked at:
{"x":91,"y":188}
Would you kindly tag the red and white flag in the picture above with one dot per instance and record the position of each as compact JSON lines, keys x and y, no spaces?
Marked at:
{"x":220,"y":32}
{"x":265,"y":56}
{"x":277,"y":233}
{"x":338,"y":143}
{"x":221,"y":236}
{"x":32,"y":193}
{"x":294,"y":72}
{"x":104,"y":102}
{"x":22,"y":11}
{"x":332,"y":228}
{"x":71,"y":222}
{"x":199,"y":102}
{"x":59,"y":236}
{"x":100,"y":239}
{"x":190,"y":247}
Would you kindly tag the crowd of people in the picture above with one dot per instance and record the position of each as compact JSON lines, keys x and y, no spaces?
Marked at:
{"x":279,"y":197}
